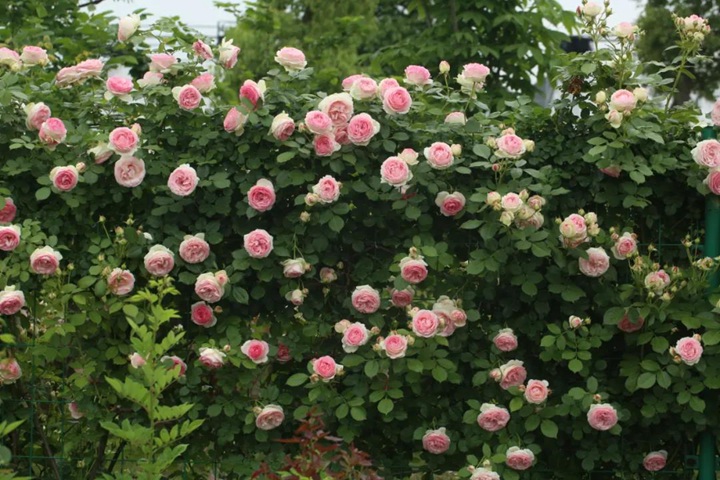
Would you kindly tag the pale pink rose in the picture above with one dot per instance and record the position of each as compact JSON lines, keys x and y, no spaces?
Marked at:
{"x":150,"y":79}
{"x":655,"y":461}
{"x":282,"y":127}
{"x":602,"y":416}
{"x":161,"y":62}
{"x":295,"y":267}
{"x":713,"y":180}
{"x":409,"y":156}
{"x":627,"y":326}
{"x":365,"y":299}
{"x":707,"y":153}
{"x":510,"y":146}
{"x":694,"y":24}
{"x":364,"y":88}
{"x":341,"y":134}
{"x":32,"y":55}
{"x":436,"y":441}
{"x":228,"y":54}
{"x":448,"y":326}
{"x":439,"y":155}
{"x":176,"y":362}
{"x":66,"y":76}
{"x":120,"y":282}
{"x":512,"y":374}
{"x":291,"y":59}
{"x":425,"y":323}
{"x":325,"y":145}
{"x":129,"y":171}
{"x":10,"y":371}
{"x":394,"y":345}
{"x":715,"y":114}
{"x":456,"y":118}
{"x":402,"y":298}
{"x":296,"y":297}
{"x":327,"y":275}
{"x":338,"y":106}
{"x":128,"y":26}
{"x":9,"y":238}
{"x":194,"y":249}
{"x":484,"y":474}
{"x":612,"y":171}
{"x":8,"y":212}
{"x":256,"y":351}
{"x":37,"y":114}
{"x":625,"y":246}
{"x":123,"y":141}
{"x":261,"y":196}
{"x":475,"y":72}
{"x":657,"y":281}
{"x":11,"y":300}
{"x":318,"y":122}
{"x":450,"y":203}
{"x":396,"y":101}
{"x":625,"y":30}
{"x":10,"y":58}
{"x":591,"y":10}
{"x":204,"y":82}
{"x":52,"y":132}
{"x":119,"y":86}
{"x":493,"y":418}
{"x":596,"y":264}
{"x":347,"y":82}
{"x":64,"y":178}
{"x":202,"y":50}
{"x":326,"y":368}
{"x":188,"y":97}
{"x":459,"y":317}
{"x":209,"y":288}
{"x":75,"y":412}
{"x":385,"y":85}
{"x":505,"y":340}
{"x":258,"y":243}
{"x":623,"y":101}
{"x":235,"y":121}
{"x":444,"y":67}
{"x":355,"y":336}
{"x":615,"y":118}
{"x":574,"y":229}
{"x":45,"y":260}
{"x":89,"y":68}
{"x":511,"y":202}
{"x":271,"y":416}
{"x":183,"y":180}
{"x":413,"y":270}
{"x":136,"y":360}
{"x":101,"y":153}
{"x":536,"y":391}
{"x":519,"y":459}
{"x":159,"y":261}
{"x":327,"y":189}
{"x":252,"y":91}
{"x":202,"y":314}
{"x":362,"y":128}
{"x":689,"y":349}
{"x":394,"y":171}
{"x":417,"y":75}
{"x":212,"y":357}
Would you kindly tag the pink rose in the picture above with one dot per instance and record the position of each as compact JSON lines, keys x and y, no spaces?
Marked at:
{"x":425,"y":323}
{"x":127,"y":27}
{"x":212,"y":357}
{"x":258,"y":243}
{"x":202,"y":314}
{"x":590,"y":10}
{"x":291,"y":59}
{"x":10,"y":371}
{"x":159,"y":261}
{"x":11,"y":300}
{"x":623,"y":101}
{"x":459,"y":317}
{"x":66,"y":76}
{"x":119,"y":86}
{"x":484,"y":474}
{"x":161,"y":62}
{"x":150,"y":79}
{"x":32,"y":55}
{"x":715,"y":115}
{"x":364,"y":88}
{"x":627,"y":326}
{"x":283,"y":353}
{"x":596,"y":264}
{"x":45,"y":260}
{"x":74,"y":410}
{"x":235,"y":121}
{"x":202,"y":50}
{"x":362,"y":128}
{"x":228,"y":54}
{"x":10,"y":58}
{"x":366,"y":299}
{"x":450,"y":203}
{"x":271,"y":416}
{"x":91,"y":67}
{"x":456,"y":118}
{"x":436,"y":441}
{"x":707,"y":153}
{"x":394,"y":171}
{"x":296,"y":297}
{"x":129,"y":171}
{"x":183,"y":180}
{"x":37,"y":114}
{"x":256,"y":351}
{"x":394,"y":345}
{"x":505,"y":340}
{"x":519,"y":459}
{"x":657,"y":281}
{"x":385,"y":85}
{"x":355,"y":336}
{"x":341,"y":134}
{"x":475,"y":72}
{"x":511,"y":202}
{"x":512,"y":374}
{"x":282,"y":127}
{"x":492,"y":418}
{"x":176,"y":362}
{"x":121,"y":282}
{"x":625,"y":246}
{"x":8,"y":212}
{"x":536,"y":391}
{"x":327,"y":275}
{"x":439,"y":155}
{"x":325,"y":145}
{"x":318,"y":122}
{"x":402,"y":298}
{"x":188,"y":97}
{"x":326,"y":368}
{"x":397,"y":101}
{"x":9,"y":238}
{"x":261,"y":196}
{"x":612,"y":171}
{"x":209,"y":288}
{"x":689,"y":349}
{"x":64,"y":178}
{"x":194,"y":249}
{"x":338,"y":106}
{"x":713,"y":180}
{"x":295,"y":267}
{"x":510,"y":146}
{"x":413,"y":270}
{"x":52,"y":132}
{"x":417,"y":75}
{"x":655,"y":461}
{"x":602,"y":416}
{"x":347,"y":82}
{"x":204,"y":82}
{"x":327,"y":189}
{"x":574,"y":229}
{"x":253,"y":92}
{"x":625,"y":30}
{"x":123,"y":141}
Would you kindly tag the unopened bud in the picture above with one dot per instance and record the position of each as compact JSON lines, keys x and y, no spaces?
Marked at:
{"x":444,"y":67}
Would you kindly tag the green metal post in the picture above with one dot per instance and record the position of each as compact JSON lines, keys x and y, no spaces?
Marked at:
{"x":706,"y":460}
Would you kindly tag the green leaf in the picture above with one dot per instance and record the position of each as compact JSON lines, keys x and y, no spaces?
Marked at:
{"x":286,"y":156}
{"x":571,"y":293}
{"x":549,"y":428}
{"x":532,"y":422}
{"x":296,"y":379}
{"x":42,"y":193}
{"x":646,"y":380}
{"x":414,"y":365}
{"x":471,"y":224}
{"x":385,"y":406}
{"x":439,"y":374}
{"x":516,"y":404}
{"x":575,"y":365}
{"x":342,"y":411}
{"x":372,"y":368}
{"x":336,"y":224}
{"x":358,"y":413}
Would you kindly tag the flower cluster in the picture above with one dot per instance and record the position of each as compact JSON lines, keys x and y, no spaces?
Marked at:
{"x":707,"y":155}
{"x":578,"y":228}
{"x":30,"y":56}
{"x":519,"y":208}
{"x":621,"y":104}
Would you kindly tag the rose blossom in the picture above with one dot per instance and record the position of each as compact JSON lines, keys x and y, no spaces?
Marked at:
{"x":627,"y":326}
{"x":623,"y":101}
{"x":510,"y":146}
{"x":413,"y":270}
{"x":64,"y":178}
{"x":11,"y":300}
{"x":394,"y":345}
{"x":52,"y":132}
{"x":602,"y":416}
{"x":326,"y":368}
{"x":136,"y":360}
{"x":271,"y":416}
{"x":228,"y":54}
{"x":417,"y":75}
{"x":365,"y":299}
{"x":355,"y":336}
{"x":436,"y":441}
{"x":235,"y":121}
{"x":8,"y":212}
{"x":295,"y":267}
{"x":296,"y":297}
{"x":591,"y":10}
{"x":256,"y":350}
{"x":327,"y":189}
{"x":123,"y":141}
{"x":10,"y":58}
{"x":512,"y":374}
{"x":493,"y":418}
{"x":291,"y":59}
{"x":121,"y":282}
{"x":183,"y":180}
{"x":505,"y":340}
{"x":364,"y":88}
{"x":689,"y":349}
{"x":713,"y":180}
{"x":338,"y":106}
{"x":596,"y":264}
{"x":282,"y":127}
{"x":347,"y":82}
{"x":318,"y":122}
{"x":10,"y":371}
{"x":188,"y":97}
{"x":194,"y":248}
{"x":150,"y":79}
{"x":656,"y":282}
{"x":484,"y":474}
{"x":202,"y":50}
{"x":283,"y":353}
{"x":327,"y":275}
{"x":325,"y":145}
{"x":212,"y":357}
{"x":456,"y":118}
{"x":475,"y":72}
{"x":397,"y":101}
{"x":655,"y":461}
{"x":519,"y":459}
{"x":409,"y":156}
{"x":625,"y":246}
{"x":439,"y":155}
{"x":75,"y":412}
{"x":118,"y":87}
{"x":385,"y":85}
{"x":362,"y":128}
{"x":615,"y":118}
{"x":127,"y":26}
{"x":394,"y":171}
{"x":715,"y":114}
{"x":707,"y":153}
{"x":9,"y":237}
{"x":450,"y":203}
{"x":625,"y":30}
{"x":204,"y":82}
{"x":129,"y":171}
{"x":32,"y":55}
{"x":261,"y":196}
{"x":202,"y":314}
{"x":176,"y":362}
{"x":253,"y":92}
{"x":45,"y":260}
{"x":511,"y":202}
{"x":401,"y":298}
{"x":341,"y":135}
{"x":258,"y":243}
{"x":536,"y":391}
{"x":36,"y":115}
{"x":425,"y":323}
{"x":209,"y":287}
{"x":159,"y":261}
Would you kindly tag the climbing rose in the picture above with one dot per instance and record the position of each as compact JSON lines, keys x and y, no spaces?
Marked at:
{"x":64,"y":178}
{"x":417,"y":75}
{"x":202,"y":50}
{"x":425,"y":323}
{"x":127,"y":26}
{"x":228,"y":54}
{"x":161,"y":62}
{"x":689,"y":349}
{"x":45,"y":260}
{"x":365,"y":299}
{"x":325,"y":145}
{"x":36,"y":115}
{"x":318,"y":122}
{"x":159,"y":261}
{"x":194,"y":248}
{"x":713,"y":180}
{"x":628,"y":326}
{"x":602,"y":416}
{"x":271,"y":416}
{"x":402,"y":298}
{"x":413,"y":270}
{"x":202,"y":314}
{"x":10,"y":371}
{"x":475,"y":72}
{"x":439,"y":155}
{"x":363,"y":88}
{"x":176,"y":362}
{"x":129,"y":171}
{"x":510,"y":146}
{"x":493,"y":418}
{"x":655,"y":461}
{"x":362,"y":128}
{"x":253,"y":92}
{"x":625,"y":246}
{"x":327,"y":189}
{"x":212,"y":357}
{"x":258,"y":243}
{"x":355,"y":336}
{"x":450,"y":203}
{"x":326,"y":368}
{"x":256,"y":350}
{"x":11,"y":300}
{"x":596,"y":264}
{"x":623,"y":101}
{"x":397,"y":101}
{"x":291,"y":59}
{"x":188,"y":97}
{"x":235,"y":121}
{"x":519,"y":459}
{"x":123,"y":141}
{"x":52,"y":132}
{"x":394,"y":345}
{"x":209,"y":287}
{"x":282,"y":127}
{"x":261,"y":196}
{"x":505,"y":340}
{"x":536,"y":391}
{"x":715,"y":114}
{"x":338,"y":106}
{"x":204,"y":82}
{"x":9,"y":237}
{"x":436,"y":441}
{"x":295,"y":267}
{"x":395,"y":172}
{"x":456,"y":118}
{"x":121,"y":282}
{"x":512,"y":374}
{"x":707,"y":153}
{"x":484,"y":474}
{"x":8,"y":212}
{"x":33,"y":55}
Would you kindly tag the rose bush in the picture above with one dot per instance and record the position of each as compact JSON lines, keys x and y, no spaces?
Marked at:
{"x":471,"y":276}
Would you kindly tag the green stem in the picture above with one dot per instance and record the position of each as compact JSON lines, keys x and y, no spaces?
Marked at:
{"x":677,"y":80}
